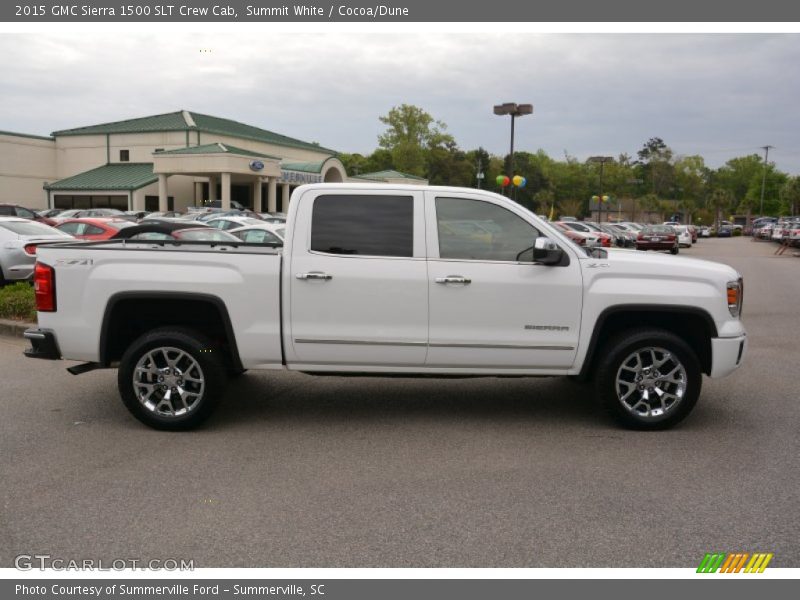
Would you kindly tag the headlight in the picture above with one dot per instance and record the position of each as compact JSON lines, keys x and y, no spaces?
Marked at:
{"x":735,"y":294}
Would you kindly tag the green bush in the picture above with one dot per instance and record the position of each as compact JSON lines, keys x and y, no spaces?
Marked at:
{"x":18,"y":302}
{"x":736,"y":232}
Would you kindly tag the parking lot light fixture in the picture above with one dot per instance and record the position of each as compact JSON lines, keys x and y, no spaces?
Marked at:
{"x":602,"y":160}
{"x":515,"y":110}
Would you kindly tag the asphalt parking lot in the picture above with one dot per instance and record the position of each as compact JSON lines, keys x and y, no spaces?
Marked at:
{"x":298,"y":471}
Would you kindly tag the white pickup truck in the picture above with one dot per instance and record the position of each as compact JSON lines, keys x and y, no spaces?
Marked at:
{"x":390,"y":280}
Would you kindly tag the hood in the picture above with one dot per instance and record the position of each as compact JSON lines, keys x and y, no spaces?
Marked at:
{"x":667,"y":265}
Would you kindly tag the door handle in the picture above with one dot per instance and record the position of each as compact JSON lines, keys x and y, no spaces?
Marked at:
{"x":453,"y":279}
{"x":314,"y":275}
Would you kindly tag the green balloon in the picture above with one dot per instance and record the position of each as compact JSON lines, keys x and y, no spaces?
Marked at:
{"x":500,"y":179}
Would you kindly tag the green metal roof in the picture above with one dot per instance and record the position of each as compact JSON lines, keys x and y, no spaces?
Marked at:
{"x":27,"y":135}
{"x":388,"y":174}
{"x":118,"y":176}
{"x":305,"y":167}
{"x":217,"y":148}
{"x":191,"y":121}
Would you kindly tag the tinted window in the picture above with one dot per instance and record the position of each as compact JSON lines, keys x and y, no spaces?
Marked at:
{"x":477,"y":230}
{"x":7,"y":211}
{"x":363,"y":225}
{"x":25,"y":213}
{"x":92,"y":230}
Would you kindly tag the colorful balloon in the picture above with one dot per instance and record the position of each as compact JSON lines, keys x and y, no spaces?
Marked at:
{"x":523,"y":183}
{"x":517,"y":180}
{"x":500,"y":179}
{"x":605,"y":198}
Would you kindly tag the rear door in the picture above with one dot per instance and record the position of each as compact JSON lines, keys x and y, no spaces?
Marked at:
{"x":358,"y":279}
{"x":490,"y":306}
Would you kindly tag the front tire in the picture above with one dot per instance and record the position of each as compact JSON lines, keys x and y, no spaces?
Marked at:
{"x":171,"y":378}
{"x":648,"y":379}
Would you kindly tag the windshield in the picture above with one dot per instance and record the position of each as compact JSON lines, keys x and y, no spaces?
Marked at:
{"x":30,"y":228}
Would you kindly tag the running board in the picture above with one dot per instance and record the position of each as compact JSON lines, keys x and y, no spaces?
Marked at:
{"x":84,"y":368}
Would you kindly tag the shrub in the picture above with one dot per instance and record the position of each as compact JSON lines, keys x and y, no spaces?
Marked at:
{"x":736,"y":232}
{"x":18,"y":302}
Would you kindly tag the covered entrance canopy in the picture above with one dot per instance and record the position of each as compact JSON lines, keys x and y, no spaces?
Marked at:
{"x":219,"y":161}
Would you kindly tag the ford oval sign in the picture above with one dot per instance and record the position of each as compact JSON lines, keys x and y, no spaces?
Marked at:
{"x":256,"y":165}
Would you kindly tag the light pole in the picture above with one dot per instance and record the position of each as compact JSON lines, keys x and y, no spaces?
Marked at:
{"x":515,"y":110}
{"x":764,"y":178}
{"x":602,"y":160}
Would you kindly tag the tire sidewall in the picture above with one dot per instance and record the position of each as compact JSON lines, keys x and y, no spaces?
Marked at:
{"x":623,"y":346}
{"x":199,"y":348}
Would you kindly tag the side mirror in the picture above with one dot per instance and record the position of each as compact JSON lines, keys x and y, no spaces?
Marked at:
{"x":546,"y":251}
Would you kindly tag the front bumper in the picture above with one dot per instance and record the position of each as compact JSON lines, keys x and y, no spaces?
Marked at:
{"x":43,"y":344}
{"x":727,"y":355}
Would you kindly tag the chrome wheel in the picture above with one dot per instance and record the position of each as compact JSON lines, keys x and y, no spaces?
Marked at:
{"x":651,"y":382}
{"x":167,"y":381}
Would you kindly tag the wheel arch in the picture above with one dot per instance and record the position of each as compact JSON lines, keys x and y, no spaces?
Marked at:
{"x":693,"y":324}
{"x":131,"y":314}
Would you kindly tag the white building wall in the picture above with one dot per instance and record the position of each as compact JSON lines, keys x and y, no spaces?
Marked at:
{"x":26,"y":164}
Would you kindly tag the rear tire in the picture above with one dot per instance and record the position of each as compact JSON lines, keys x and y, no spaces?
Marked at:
{"x":171,"y":378}
{"x":648,"y":379}
{"x":674,"y":250}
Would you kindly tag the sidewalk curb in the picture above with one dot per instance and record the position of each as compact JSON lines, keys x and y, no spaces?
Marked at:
{"x":14,"y":328}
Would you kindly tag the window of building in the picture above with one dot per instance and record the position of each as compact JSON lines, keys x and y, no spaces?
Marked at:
{"x":159,"y":150}
{"x":124,"y":156}
{"x":477,"y":230}
{"x":151,"y":203}
{"x":363,"y":225}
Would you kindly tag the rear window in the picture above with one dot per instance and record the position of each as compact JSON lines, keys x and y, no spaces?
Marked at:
{"x":659,"y":229}
{"x":30,"y":228}
{"x":363,"y":225}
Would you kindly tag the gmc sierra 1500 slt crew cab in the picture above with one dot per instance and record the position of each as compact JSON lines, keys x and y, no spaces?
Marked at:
{"x":390,"y":280}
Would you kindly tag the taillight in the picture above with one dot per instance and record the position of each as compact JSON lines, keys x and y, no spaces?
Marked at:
{"x":30,"y":249}
{"x":640,"y":237}
{"x":606,"y":241}
{"x":671,"y":238}
{"x":44,"y":285}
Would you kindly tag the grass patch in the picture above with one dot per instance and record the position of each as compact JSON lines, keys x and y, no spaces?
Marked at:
{"x":18,"y":302}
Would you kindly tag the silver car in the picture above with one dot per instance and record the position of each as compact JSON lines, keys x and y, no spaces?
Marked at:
{"x":18,"y":238}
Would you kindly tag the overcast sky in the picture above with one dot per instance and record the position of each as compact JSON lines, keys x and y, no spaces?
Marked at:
{"x":719,"y":95}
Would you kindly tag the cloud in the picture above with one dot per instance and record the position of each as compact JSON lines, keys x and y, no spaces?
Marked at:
{"x":719,"y":95}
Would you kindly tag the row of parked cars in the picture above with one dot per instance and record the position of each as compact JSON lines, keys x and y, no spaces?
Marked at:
{"x":669,"y":236}
{"x":781,"y":230}
{"x":22,"y":229}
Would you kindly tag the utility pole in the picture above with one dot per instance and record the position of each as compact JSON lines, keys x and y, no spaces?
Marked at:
{"x":764,"y":178}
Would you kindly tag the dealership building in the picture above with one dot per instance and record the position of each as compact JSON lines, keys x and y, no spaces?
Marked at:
{"x":167,"y":162}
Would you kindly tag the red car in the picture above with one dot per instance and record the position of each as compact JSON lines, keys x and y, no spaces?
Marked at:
{"x":658,"y":237}
{"x":93,"y":229}
{"x":583,"y":235}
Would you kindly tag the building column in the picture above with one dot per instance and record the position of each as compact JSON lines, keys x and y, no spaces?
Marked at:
{"x":272,"y":194}
{"x":226,"y":191}
{"x":212,"y":188}
{"x":257,"y":195}
{"x":285,"y":197}
{"x":198,"y":193}
{"x":163,"y":193}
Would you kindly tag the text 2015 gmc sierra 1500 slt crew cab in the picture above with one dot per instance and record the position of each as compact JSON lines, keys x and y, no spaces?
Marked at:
{"x":390,"y":280}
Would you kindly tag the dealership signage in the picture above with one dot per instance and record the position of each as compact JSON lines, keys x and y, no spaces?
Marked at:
{"x":256,"y":165}
{"x":300,"y":177}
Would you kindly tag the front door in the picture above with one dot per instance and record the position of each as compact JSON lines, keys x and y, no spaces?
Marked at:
{"x":358,"y":280}
{"x":490,"y":306}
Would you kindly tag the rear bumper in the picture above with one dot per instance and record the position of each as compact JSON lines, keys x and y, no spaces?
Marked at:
{"x":727,"y":355}
{"x":655,"y":245}
{"x":43,"y":344}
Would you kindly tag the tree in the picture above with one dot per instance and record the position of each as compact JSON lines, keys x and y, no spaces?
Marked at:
{"x":790,"y":196}
{"x":411,"y":133}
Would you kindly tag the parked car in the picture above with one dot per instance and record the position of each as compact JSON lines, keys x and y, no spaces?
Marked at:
{"x":704,"y":231}
{"x":49,"y":213}
{"x":15,"y":210}
{"x":260,"y":234}
{"x":225,"y":223}
{"x":218,"y":204}
{"x":93,"y":229}
{"x":616,"y":238}
{"x":18,"y":241}
{"x":658,"y":237}
{"x":89,"y":213}
{"x":693,"y":232}
{"x":273,"y":217}
{"x":724,"y":231}
{"x":684,"y":236}
{"x":155,"y":228}
{"x":367,"y":294}
{"x":593,"y":238}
